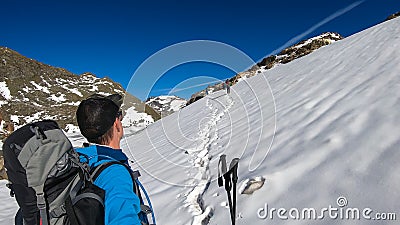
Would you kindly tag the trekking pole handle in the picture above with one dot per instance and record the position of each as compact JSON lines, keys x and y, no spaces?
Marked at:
{"x":234,"y":167}
{"x":221,"y":170}
{"x":228,"y":182}
{"x":223,"y":166}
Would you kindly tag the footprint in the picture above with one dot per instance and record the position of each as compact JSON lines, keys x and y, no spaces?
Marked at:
{"x":249,"y":186}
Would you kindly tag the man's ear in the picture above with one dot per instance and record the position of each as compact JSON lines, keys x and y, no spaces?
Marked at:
{"x":118,"y":126}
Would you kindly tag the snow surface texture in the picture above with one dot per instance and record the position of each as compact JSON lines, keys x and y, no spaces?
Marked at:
{"x":336,"y":121}
{"x":8,"y":206}
{"x":333,"y":122}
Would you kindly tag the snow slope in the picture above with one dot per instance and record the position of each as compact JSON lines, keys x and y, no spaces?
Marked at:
{"x":8,"y":206}
{"x":337,"y":135}
{"x":329,"y":129}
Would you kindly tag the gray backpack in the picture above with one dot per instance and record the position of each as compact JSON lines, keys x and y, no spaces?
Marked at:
{"x":51,"y":185}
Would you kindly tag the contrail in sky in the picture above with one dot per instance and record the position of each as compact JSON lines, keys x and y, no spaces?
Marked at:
{"x":288,"y":43}
{"x":316,"y":26}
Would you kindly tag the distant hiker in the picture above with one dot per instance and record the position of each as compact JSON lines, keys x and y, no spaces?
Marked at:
{"x":99,"y":120}
{"x":227,"y":86}
{"x":207,"y":91}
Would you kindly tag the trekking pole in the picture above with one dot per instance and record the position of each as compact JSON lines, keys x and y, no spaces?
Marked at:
{"x":228,"y":188}
{"x":222,"y":159}
{"x":233,"y":167}
{"x":229,"y":182}
{"x":223,"y":175}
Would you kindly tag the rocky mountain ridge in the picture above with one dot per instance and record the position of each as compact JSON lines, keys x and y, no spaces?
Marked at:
{"x":394,"y":15}
{"x":30,"y":91}
{"x":287,"y":55}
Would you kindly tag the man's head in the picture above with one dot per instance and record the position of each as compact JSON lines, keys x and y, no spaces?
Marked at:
{"x":99,"y":118}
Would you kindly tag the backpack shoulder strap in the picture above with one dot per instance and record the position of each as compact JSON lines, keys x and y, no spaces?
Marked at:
{"x":96,"y":171}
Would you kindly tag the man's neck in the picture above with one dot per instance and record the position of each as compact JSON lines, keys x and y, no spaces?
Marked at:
{"x":115,"y":144}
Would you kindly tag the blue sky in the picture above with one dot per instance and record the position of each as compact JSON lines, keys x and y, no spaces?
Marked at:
{"x":113,"y":38}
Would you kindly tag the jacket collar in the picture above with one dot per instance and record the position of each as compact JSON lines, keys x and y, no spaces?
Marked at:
{"x":97,"y":153}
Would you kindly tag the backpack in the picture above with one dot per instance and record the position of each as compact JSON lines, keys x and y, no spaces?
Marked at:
{"x":51,"y":185}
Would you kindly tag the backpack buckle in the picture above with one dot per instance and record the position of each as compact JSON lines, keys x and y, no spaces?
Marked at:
{"x":38,"y":133}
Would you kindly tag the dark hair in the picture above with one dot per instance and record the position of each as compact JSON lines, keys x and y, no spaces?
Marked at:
{"x":95,"y":117}
{"x":103,"y":139}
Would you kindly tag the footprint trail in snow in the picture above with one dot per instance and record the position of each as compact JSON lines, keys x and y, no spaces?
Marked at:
{"x":202,"y":155}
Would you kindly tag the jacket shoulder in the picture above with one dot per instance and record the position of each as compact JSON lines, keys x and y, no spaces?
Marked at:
{"x":121,"y":203}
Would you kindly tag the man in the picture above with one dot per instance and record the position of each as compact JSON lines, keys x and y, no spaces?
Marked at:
{"x":228,"y":87}
{"x":99,"y":120}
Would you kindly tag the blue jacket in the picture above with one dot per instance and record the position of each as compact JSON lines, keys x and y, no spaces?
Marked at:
{"x":122,"y":205}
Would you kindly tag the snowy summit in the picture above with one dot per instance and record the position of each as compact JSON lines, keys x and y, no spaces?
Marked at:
{"x":166,"y":104}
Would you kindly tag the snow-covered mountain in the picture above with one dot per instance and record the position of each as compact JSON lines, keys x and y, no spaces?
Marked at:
{"x":166,"y":104}
{"x":30,"y":90}
{"x":287,"y":55}
{"x":299,"y":50}
{"x":324,"y":136}
{"x":319,"y":134}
